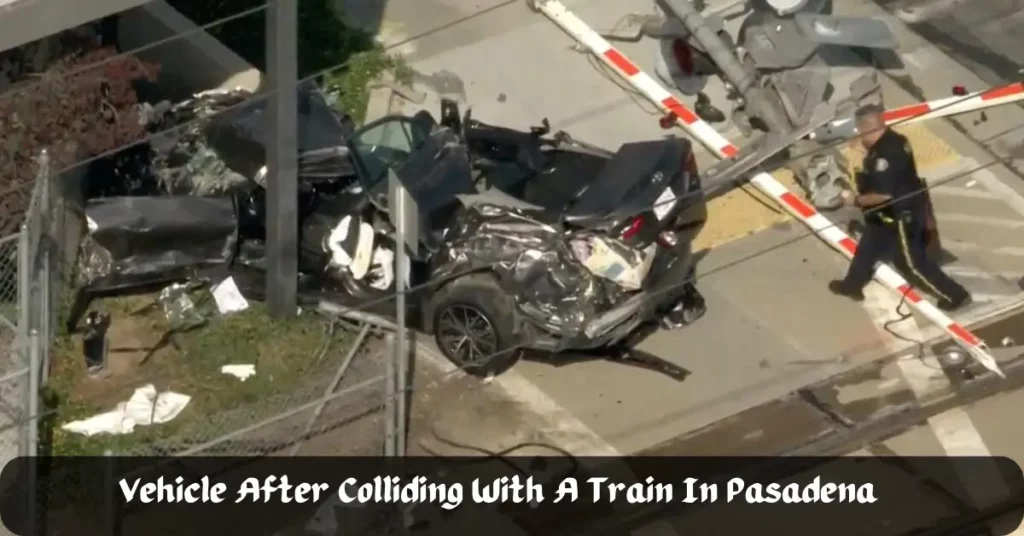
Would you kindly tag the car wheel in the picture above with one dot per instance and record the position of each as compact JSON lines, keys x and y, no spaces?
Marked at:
{"x":474,"y":325}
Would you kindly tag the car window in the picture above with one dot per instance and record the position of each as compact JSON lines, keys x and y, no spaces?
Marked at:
{"x":388,"y":145}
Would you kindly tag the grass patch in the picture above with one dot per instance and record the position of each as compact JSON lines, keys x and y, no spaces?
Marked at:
{"x":286,"y":352}
{"x":349,"y":88}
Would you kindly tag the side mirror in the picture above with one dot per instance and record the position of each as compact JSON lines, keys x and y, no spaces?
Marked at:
{"x":543,"y":129}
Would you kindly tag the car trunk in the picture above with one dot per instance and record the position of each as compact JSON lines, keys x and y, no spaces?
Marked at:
{"x":633,"y":183}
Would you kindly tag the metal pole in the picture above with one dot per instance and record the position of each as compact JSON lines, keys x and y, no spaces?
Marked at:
{"x":405,"y":217}
{"x":401,"y":336}
{"x":726,"y":61}
{"x":389,"y":402}
{"x":282,"y":222}
{"x":32,"y":431}
{"x":45,"y":245}
{"x":33,"y":389}
{"x":24,"y":341}
{"x":45,"y":310}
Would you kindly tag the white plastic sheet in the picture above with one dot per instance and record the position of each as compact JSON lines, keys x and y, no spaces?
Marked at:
{"x":146,"y":407}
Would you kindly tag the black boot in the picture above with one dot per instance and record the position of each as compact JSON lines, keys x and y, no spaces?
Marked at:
{"x":838,"y":288}
{"x":706,"y":111}
{"x":950,"y":306}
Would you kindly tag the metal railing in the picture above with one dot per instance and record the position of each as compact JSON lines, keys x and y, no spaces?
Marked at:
{"x":340,"y":408}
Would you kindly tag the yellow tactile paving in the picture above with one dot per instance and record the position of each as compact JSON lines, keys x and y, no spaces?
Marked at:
{"x":742,"y":213}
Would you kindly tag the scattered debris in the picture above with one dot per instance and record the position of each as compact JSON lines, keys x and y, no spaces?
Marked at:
{"x":139,"y":241}
{"x":242,"y":372}
{"x":146,"y":407}
{"x":613,"y":260}
{"x":94,"y":342}
{"x":229,"y":299}
{"x":178,"y":307}
{"x":482,"y":194}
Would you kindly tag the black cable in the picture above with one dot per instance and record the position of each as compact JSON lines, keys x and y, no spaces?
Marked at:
{"x":440,"y":281}
{"x":902,"y":316}
{"x":517,"y":347}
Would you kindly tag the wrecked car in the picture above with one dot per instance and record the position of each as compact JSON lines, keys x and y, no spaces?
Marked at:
{"x":536,"y":241}
{"x":527,"y":240}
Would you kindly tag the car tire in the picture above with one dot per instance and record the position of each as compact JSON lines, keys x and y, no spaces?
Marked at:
{"x":471,"y":307}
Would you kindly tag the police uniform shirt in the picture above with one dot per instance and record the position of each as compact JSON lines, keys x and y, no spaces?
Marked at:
{"x":889,"y":169}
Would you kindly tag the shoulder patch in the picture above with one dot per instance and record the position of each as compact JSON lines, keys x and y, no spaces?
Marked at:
{"x":881,"y":164}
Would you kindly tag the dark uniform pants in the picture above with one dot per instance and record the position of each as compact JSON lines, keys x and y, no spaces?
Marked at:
{"x":904,"y":242}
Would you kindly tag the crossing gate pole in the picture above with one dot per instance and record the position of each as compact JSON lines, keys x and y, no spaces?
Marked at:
{"x":808,"y":215}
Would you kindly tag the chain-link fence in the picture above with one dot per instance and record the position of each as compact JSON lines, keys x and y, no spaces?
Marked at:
{"x":31,"y":279}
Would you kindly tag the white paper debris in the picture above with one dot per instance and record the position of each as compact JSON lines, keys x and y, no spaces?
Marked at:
{"x":971,"y":183}
{"x":229,"y":299}
{"x":146,"y":407}
{"x":242,"y":372}
{"x":604,"y":261}
{"x":382,"y":269}
{"x":665,"y":203}
{"x":358,"y":260}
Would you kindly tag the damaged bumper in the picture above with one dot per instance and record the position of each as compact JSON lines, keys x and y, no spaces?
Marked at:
{"x":566,"y":299}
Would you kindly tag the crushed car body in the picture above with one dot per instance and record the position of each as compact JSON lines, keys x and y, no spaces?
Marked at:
{"x":528,"y":240}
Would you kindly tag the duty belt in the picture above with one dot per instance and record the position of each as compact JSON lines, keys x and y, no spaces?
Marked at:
{"x":879,"y":218}
{"x":904,"y":216}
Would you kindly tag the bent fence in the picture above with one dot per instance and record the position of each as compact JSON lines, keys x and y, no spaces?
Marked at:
{"x":338,"y":406}
{"x":32,"y":274}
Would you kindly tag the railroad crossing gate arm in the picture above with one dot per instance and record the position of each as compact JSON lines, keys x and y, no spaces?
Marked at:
{"x":706,"y":134}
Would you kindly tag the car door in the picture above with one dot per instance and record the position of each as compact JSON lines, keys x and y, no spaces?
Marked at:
{"x":387,"y":144}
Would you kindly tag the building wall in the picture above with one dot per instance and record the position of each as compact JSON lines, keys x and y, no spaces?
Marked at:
{"x":190,"y":64}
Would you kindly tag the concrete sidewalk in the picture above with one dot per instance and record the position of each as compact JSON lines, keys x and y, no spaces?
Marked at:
{"x":771,"y":328}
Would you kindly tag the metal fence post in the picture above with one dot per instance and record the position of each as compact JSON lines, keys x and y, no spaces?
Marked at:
{"x":45,"y":275}
{"x":32,"y":428}
{"x":33,"y":399}
{"x":282,"y":158}
{"x":23,"y":343}
{"x":390,"y":428}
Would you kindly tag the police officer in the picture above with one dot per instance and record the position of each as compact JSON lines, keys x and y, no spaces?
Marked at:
{"x":896,"y":216}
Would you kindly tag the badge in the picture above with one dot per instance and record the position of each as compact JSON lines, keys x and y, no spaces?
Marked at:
{"x":881,"y":164}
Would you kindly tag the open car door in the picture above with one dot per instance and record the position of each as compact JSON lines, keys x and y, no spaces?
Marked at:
{"x":431,"y":162}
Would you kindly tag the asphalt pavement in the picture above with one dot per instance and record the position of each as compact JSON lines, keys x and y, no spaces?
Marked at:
{"x":771,"y":328}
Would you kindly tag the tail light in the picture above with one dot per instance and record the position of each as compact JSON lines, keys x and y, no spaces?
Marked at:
{"x":690,"y":176}
{"x":633,"y":228}
{"x":690,"y":165}
{"x":959,"y":90}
